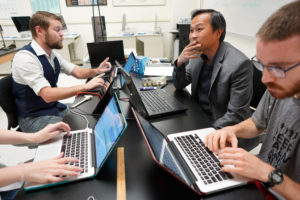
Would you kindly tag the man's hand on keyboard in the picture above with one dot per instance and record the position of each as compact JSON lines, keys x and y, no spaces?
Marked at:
{"x":239,"y":161}
{"x":95,"y":82}
{"x":219,"y":138}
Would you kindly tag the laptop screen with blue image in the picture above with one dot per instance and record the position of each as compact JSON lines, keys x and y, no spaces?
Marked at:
{"x":128,"y":66}
{"x":107,"y":130}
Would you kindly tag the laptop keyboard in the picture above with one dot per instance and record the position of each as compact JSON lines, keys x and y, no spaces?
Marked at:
{"x":76,"y":145}
{"x":155,"y":102}
{"x":203,"y":160}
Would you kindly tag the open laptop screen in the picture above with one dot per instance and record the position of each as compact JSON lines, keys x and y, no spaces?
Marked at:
{"x":98,"y":51}
{"x":108,"y":129}
{"x":159,"y":148}
{"x":128,"y":66}
{"x":21,"y":23}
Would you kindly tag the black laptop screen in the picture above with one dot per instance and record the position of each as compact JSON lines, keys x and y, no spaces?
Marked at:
{"x":161,"y":149}
{"x":98,"y":51}
{"x":21,"y":23}
{"x":108,"y":129}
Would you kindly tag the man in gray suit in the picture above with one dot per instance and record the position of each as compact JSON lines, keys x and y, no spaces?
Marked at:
{"x":220,"y":74}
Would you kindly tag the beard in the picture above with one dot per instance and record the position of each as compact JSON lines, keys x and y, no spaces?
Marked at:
{"x":53,"y":45}
{"x":282,"y":92}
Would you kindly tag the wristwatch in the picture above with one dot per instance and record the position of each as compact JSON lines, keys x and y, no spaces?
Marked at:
{"x":275,"y":178}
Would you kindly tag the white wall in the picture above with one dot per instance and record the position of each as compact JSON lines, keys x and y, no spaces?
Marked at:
{"x":182,"y":9}
{"x":245,"y":44}
{"x":139,"y":18}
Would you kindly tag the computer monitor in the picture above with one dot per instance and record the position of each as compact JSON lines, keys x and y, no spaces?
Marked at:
{"x":22,"y":25}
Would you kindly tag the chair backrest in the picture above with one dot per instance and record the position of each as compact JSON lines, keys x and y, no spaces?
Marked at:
{"x":7,"y":101}
{"x":258,"y":87}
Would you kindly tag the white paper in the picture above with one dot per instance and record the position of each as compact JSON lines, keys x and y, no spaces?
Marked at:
{"x":158,"y":71}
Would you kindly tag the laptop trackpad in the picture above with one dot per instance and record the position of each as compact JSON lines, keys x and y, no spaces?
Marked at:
{"x":47,"y":151}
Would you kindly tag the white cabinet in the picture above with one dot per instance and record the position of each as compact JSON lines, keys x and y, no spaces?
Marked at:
{"x":69,"y":51}
{"x":150,"y":44}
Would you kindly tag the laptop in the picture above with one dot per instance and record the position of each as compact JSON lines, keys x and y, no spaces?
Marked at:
{"x":105,"y":92}
{"x":98,"y":51}
{"x":151,"y":103}
{"x":91,"y":146}
{"x":186,"y":158}
{"x":119,"y":80}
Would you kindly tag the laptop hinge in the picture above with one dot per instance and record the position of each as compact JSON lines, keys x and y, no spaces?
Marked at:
{"x":94,"y":160}
{"x":138,"y":105}
{"x":184,"y":165}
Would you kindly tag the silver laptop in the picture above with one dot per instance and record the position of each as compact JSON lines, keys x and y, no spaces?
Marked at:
{"x":185,"y":157}
{"x":91,"y":146}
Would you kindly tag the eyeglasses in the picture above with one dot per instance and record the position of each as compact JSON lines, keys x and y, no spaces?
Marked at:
{"x":277,"y":71}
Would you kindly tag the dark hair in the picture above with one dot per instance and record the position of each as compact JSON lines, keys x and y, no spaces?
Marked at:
{"x":41,"y":18}
{"x":217,"y":20}
{"x":282,"y":24}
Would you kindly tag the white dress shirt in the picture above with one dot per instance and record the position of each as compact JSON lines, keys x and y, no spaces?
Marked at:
{"x":28,"y":70}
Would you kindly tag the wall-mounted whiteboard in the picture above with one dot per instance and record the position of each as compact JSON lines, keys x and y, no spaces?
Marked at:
{"x":245,"y":17}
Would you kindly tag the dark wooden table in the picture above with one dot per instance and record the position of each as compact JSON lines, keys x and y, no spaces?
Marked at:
{"x":144,"y":179}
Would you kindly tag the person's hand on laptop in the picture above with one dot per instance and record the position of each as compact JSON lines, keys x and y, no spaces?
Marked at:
{"x":105,"y":66}
{"x":239,"y":161}
{"x":108,"y":81}
{"x":50,"y":131}
{"x":220,"y":138}
{"x":49,"y":171}
{"x":106,"y":85}
{"x":95,"y":82}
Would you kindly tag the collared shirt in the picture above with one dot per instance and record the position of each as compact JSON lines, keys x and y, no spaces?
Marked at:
{"x":27,"y":69}
{"x":204,"y":86}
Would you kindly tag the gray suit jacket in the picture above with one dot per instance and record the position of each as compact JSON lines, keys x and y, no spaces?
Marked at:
{"x":231,"y":84}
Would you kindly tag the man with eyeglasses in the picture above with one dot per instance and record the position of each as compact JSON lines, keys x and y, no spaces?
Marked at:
{"x":278,"y":71}
{"x":278,"y":113}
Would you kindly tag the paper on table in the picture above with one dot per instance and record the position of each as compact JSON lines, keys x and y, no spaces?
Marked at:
{"x":158,"y":71}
